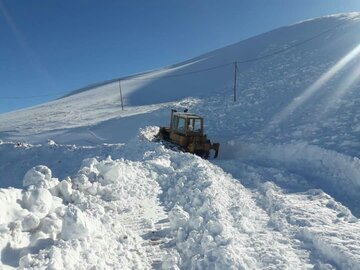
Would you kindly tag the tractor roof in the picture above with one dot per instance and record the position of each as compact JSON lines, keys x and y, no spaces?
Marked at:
{"x":187,"y":115}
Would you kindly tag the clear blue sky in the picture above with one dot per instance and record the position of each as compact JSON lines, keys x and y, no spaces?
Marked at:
{"x":56,"y":46}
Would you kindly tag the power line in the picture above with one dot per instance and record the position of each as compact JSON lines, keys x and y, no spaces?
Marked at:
{"x":247,"y":60}
{"x":200,"y":70}
{"x":181,"y":74}
{"x":260,"y":57}
{"x":292,"y":46}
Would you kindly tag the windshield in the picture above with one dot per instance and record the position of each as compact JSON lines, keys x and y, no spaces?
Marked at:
{"x":181,"y":125}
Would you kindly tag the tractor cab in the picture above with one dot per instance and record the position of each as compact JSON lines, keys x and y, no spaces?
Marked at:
{"x":187,"y":123}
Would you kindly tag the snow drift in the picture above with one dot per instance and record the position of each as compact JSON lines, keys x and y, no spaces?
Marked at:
{"x":79,"y":189}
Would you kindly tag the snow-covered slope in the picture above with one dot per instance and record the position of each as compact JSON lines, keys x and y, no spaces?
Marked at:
{"x":283,"y":194}
{"x":265,"y":87}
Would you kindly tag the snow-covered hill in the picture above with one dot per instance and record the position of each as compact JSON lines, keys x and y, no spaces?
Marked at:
{"x":83,"y":187}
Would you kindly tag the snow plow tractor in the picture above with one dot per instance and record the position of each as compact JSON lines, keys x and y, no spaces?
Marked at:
{"x":186,"y":132}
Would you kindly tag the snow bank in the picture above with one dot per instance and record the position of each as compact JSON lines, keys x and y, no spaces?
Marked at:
{"x":86,"y":220}
{"x":16,"y":160}
{"x":314,"y":222}
{"x":69,"y":224}
{"x":102,"y":217}
{"x":336,"y":173}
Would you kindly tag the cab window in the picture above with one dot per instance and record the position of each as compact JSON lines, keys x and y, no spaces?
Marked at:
{"x":181,"y":125}
{"x":197,"y":125}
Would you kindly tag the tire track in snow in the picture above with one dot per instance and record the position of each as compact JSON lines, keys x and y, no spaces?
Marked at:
{"x":326,"y":228}
{"x":268,"y":248}
{"x":311,"y":220}
{"x":215,"y":221}
{"x":151,"y":222}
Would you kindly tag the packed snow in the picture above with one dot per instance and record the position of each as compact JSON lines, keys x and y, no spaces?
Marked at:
{"x":83,"y":185}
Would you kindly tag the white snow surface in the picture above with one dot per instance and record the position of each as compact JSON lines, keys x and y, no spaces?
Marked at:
{"x":82,"y":185}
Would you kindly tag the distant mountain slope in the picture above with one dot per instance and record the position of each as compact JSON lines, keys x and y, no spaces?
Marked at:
{"x":274,"y":70}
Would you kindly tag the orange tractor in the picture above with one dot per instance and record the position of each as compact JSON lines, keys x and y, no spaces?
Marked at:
{"x":187,"y":132}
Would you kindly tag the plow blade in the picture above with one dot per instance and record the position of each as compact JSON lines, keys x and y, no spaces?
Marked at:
{"x":215,"y":147}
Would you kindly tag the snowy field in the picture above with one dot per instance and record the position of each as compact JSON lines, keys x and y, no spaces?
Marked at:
{"x":82,"y":186}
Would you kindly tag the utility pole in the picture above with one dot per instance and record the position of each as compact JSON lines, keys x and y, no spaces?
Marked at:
{"x":121,"y":98}
{"x":235,"y":78}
